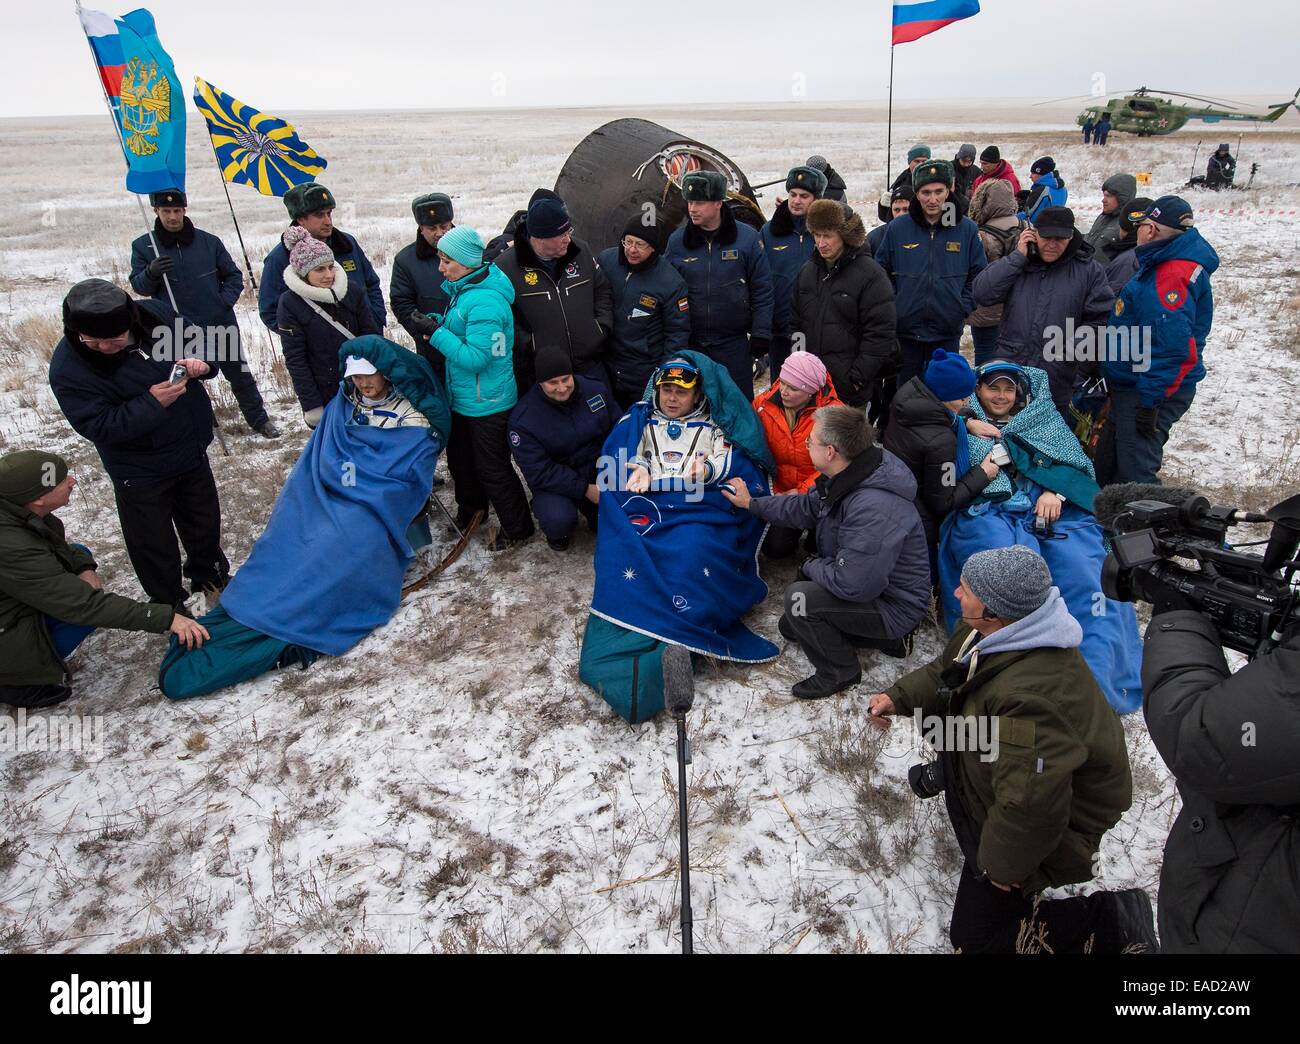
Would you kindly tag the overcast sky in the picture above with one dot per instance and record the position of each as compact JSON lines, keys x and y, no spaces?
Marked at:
{"x":388,"y":54}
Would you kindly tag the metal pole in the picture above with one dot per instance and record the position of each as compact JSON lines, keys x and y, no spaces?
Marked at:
{"x":117,"y":129}
{"x":684,"y":857}
{"x":248,"y":265}
{"x":889,"y":126}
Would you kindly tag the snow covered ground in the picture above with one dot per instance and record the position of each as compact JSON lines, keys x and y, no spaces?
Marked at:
{"x":450,"y":784}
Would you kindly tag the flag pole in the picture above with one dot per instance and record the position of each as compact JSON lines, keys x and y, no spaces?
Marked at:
{"x":889,"y":126}
{"x":117,"y":129}
{"x":248,"y":265}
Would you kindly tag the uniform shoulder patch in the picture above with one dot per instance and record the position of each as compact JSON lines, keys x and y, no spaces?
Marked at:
{"x":596,"y":403}
{"x":348,"y":266}
{"x":1119,"y":306}
{"x":514,"y":438}
{"x":684,"y":304}
{"x":646,"y":301}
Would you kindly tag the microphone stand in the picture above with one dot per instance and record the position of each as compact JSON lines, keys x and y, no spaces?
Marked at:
{"x":683,"y":759}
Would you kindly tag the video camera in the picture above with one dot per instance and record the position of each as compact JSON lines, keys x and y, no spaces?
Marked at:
{"x":1253,"y":600}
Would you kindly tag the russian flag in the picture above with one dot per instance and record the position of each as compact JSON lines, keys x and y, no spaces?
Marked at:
{"x":913,"y":21}
{"x":101,"y":31}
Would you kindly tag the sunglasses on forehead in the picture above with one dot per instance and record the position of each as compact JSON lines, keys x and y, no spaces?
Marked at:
{"x":684,"y":376}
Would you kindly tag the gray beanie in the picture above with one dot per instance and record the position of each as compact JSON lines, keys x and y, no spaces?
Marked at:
{"x":1012,"y":581}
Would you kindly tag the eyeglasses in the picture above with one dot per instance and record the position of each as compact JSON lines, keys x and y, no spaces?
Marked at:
{"x":633,"y":243}
{"x":91,"y":342}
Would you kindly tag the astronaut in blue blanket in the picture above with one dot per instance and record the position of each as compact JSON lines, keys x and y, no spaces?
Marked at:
{"x":1043,"y":499}
{"x":374,"y":401}
{"x":680,"y":440}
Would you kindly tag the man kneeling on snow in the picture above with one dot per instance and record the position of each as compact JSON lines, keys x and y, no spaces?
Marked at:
{"x":51,"y":594}
{"x":869,"y":583}
{"x":1031,"y":798}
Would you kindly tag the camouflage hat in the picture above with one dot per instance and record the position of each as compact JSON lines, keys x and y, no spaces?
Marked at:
{"x":433,"y":208}
{"x":704,"y":186}
{"x":308,"y":198}
{"x":935,"y":170}
{"x":172,"y":197}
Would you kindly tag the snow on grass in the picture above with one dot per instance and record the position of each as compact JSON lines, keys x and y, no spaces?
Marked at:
{"x":450,"y":784}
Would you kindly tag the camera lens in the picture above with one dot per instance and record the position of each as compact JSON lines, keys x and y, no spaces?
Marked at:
{"x":926,"y":780}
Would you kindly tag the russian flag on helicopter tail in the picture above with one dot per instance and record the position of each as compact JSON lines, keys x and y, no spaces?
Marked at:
{"x":915,"y":20}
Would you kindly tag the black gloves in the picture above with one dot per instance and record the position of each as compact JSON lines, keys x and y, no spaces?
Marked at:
{"x":160,"y":266}
{"x":1146,"y":421}
{"x":426,"y":324}
{"x":759,"y":346}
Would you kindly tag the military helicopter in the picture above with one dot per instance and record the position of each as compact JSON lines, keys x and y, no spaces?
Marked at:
{"x":1143,"y":113}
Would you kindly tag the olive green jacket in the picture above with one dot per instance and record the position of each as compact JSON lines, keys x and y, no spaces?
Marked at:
{"x":1060,"y":778}
{"x":38,"y":578}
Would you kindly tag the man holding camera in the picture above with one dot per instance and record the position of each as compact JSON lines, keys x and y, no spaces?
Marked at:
{"x":1030,"y":809}
{"x":121,"y":386}
{"x":1230,"y":882}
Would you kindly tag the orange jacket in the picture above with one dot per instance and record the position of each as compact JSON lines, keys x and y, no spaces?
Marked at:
{"x":794,"y":468}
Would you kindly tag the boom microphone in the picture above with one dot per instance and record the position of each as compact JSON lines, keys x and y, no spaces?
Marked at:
{"x":1113,"y":501}
{"x":679,"y":680}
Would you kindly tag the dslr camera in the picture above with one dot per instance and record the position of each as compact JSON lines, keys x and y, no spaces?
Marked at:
{"x":1181,"y":542}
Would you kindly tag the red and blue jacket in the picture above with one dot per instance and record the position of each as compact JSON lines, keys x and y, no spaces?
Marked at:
{"x":1168,"y":303}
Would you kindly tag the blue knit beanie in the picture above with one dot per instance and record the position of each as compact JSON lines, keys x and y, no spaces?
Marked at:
{"x":462,"y":244}
{"x":949,"y":376}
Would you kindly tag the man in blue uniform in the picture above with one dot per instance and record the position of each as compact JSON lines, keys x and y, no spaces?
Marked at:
{"x":206,"y":284}
{"x":727,"y":279}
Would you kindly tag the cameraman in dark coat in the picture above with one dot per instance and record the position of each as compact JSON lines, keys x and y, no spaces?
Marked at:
{"x":1230,"y":882}
{"x":112,"y":377}
{"x":844,"y":304}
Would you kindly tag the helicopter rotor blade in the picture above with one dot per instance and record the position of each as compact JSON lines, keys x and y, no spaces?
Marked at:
{"x":1196,"y":97}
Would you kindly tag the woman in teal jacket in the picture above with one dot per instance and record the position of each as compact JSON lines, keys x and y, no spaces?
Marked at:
{"x":477,"y":336}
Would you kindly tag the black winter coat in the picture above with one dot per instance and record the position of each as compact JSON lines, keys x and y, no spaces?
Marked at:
{"x":1038,"y":300}
{"x":311,"y":345}
{"x":106,"y":400}
{"x":1230,"y":882}
{"x":204,"y":279}
{"x":921,"y":434}
{"x":416,"y":286}
{"x":846,"y":315}
{"x":574,"y":311}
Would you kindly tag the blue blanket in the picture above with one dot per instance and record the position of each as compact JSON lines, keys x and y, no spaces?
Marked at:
{"x":681,"y":564}
{"x":328,"y":569}
{"x":1111,"y":644}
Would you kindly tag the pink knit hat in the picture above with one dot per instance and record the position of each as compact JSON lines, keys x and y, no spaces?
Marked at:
{"x":804,"y":371}
{"x":306,"y":251}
